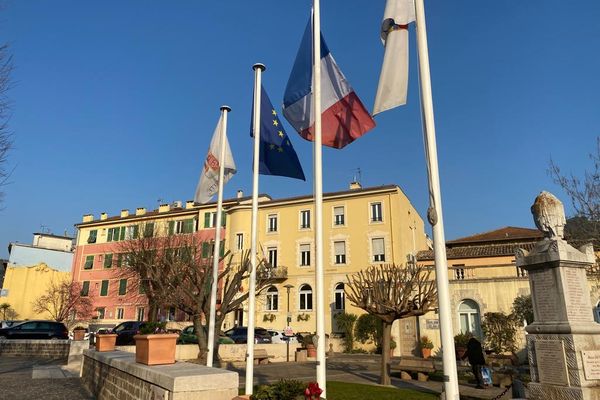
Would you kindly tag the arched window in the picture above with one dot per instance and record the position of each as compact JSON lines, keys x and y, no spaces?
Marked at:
{"x":272,"y":299}
{"x":339,"y":297}
{"x":468,"y":315}
{"x":305,"y":298}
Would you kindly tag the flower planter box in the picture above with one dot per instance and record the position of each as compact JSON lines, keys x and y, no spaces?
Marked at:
{"x":106,"y":342}
{"x":425,"y":352}
{"x":311,"y":350}
{"x":155,"y":349}
{"x":78,"y":334}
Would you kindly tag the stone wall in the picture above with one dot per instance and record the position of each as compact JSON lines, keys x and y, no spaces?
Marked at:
{"x":35,"y":348}
{"x":115,"y":375}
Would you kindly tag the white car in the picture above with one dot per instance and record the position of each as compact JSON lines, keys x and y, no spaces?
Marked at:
{"x":279,"y":337}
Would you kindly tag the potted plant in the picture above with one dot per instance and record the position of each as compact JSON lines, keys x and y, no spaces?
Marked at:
{"x":78,"y":333}
{"x":269,"y":317}
{"x":309,"y":344}
{"x":426,"y":345}
{"x":154,"y":345}
{"x":460,"y":343}
{"x":105,"y":341}
{"x":303,"y":317}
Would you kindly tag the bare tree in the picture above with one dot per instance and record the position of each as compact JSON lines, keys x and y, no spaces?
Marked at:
{"x":64,"y":300}
{"x":392,"y":292}
{"x":176,"y":270}
{"x":6,"y":67}
{"x":8,"y":312}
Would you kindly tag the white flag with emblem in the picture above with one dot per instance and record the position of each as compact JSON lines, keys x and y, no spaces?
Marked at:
{"x":393,"y":80}
{"x":209,"y":178}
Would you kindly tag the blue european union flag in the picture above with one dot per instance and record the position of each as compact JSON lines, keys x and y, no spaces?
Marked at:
{"x":276,"y":154}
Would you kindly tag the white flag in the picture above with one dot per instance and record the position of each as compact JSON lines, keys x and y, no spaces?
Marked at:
{"x":209,"y":178}
{"x":393,"y":80}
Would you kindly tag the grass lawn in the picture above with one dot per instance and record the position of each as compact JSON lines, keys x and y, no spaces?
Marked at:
{"x":357,"y":391}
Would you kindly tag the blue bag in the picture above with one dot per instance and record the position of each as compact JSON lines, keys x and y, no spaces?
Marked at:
{"x":486,"y":374}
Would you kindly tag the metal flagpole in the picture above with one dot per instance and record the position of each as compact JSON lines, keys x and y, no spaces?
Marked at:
{"x":215,"y":280}
{"x":318,"y":190}
{"x":434,"y":213}
{"x":258,"y":68}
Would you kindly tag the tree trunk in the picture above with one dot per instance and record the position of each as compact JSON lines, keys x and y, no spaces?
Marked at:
{"x":152,"y":310}
{"x":385,"y":354}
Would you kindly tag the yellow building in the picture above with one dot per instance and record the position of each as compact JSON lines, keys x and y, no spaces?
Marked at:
{"x":31,"y":269}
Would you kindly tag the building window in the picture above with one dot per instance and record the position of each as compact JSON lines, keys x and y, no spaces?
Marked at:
{"x":239,"y":241}
{"x":108,"y":258}
{"x":272,"y":223}
{"x":93,"y":236}
{"x":340,"y":252}
{"x":85,"y":288}
{"x":89,"y":262}
{"x":120,"y":313}
{"x":305,"y":255}
{"x":210,"y":219}
{"x":378,"y":246}
{"x":139,"y":314}
{"x":104,"y":288}
{"x":272,"y":299}
{"x":521,"y":272}
{"x":305,"y":219}
{"x":468,"y":315}
{"x":305,"y":298}
{"x":116,"y":234}
{"x":338,"y":216}
{"x":100,"y":312}
{"x":272,"y":255}
{"x":148,"y":229}
{"x":131,"y":232}
{"x":181,"y":226}
{"x":339,"y":297}
{"x":122,"y":287}
{"x":171,"y":314}
{"x":376,"y":215}
{"x":208,"y":248}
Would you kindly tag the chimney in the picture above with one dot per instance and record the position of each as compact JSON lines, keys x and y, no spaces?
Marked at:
{"x":103,"y":216}
{"x":177,"y":204}
{"x":140,"y":211}
{"x":355,"y":185}
{"x":164,"y":208}
{"x":240,"y":194}
{"x":189,"y":204}
{"x":88,"y":218}
{"x":124,"y":213}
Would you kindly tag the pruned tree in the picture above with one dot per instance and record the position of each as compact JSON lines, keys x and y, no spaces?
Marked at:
{"x":176,"y":270}
{"x":6,"y":142}
{"x":8,"y":312}
{"x":392,"y":292}
{"x":63,"y":300}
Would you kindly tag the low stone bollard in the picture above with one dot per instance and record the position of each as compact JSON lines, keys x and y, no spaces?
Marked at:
{"x":115,"y":374}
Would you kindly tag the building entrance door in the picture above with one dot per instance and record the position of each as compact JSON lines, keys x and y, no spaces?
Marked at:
{"x":408,"y":337}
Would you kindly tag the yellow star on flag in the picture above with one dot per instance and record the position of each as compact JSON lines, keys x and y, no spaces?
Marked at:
{"x":280,"y":133}
{"x":275,"y":122}
{"x":271,"y":146}
{"x":274,"y":112}
{"x":280,"y":149}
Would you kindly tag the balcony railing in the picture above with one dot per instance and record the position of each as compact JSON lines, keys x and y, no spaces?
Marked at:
{"x":273,"y":273}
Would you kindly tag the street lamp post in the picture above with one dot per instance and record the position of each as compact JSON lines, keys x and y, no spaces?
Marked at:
{"x":289,"y":320}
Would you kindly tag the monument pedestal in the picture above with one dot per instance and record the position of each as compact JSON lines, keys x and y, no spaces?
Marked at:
{"x":564,"y":341}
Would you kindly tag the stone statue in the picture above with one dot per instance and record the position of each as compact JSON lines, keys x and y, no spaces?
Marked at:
{"x":549,"y":215}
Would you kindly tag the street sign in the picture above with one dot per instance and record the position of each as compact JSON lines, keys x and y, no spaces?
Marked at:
{"x":288,"y":331}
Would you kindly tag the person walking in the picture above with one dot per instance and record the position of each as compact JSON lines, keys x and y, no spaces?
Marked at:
{"x":475,"y":355}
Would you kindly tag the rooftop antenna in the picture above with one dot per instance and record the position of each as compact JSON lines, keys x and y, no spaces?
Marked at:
{"x":357,"y":176}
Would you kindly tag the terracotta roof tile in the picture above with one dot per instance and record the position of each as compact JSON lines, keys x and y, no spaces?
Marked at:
{"x":508,"y":233}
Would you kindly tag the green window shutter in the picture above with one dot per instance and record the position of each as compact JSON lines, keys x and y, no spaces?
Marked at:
{"x":85,"y":288}
{"x":110,"y":235}
{"x":149,"y":230}
{"x":206,"y":219}
{"x":104,"y":288}
{"x":171,"y":227}
{"x":135,"y":231}
{"x":89,"y":262}
{"x":223,"y":218}
{"x":188,"y":226}
{"x":92,"y":237}
{"x":222,"y":248}
{"x":205,"y":249}
{"x":108,"y":260}
{"x":119,"y":260}
{"x":122,"y":233}
{"x":122,"y":287}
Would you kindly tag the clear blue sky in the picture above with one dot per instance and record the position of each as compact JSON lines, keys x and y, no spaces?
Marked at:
{"x":114,"y":102}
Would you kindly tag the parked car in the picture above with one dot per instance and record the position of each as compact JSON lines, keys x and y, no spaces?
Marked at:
{"x":188,"y":335}
{"x":240,"y":335}
{"x":126,"y":331}
{"x":9,"y":323}
{"x":279,"y":337}
{"x":36,"y":330}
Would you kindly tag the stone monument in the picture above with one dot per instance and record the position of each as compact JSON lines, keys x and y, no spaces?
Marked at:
{"x":563,"y":344}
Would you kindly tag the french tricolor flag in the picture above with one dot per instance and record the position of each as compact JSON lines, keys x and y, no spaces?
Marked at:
{"x":344,"y":117}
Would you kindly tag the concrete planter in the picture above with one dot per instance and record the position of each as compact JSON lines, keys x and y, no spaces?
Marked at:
{"x":155,"y":349}
{"x":311,"y":350}
{"x":106,"y":342}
